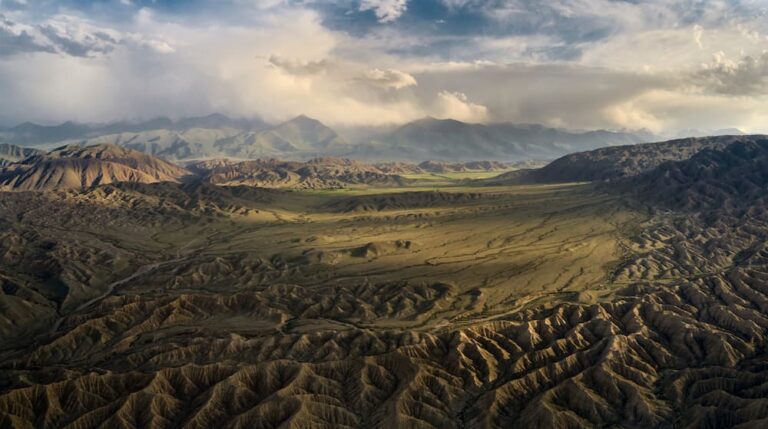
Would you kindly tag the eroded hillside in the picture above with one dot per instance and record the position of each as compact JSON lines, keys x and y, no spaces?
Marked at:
{"x":79,"y":167}
{"x":168,"y":305}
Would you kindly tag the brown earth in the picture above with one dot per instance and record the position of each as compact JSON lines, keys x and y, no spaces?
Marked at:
{"x":556,"y":306}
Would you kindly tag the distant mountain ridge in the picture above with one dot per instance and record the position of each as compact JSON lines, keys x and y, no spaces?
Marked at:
{"x":448,"y":139}
{"x":301,"y":137}
{"x":304,"y":138}
{"x":31,"y":134}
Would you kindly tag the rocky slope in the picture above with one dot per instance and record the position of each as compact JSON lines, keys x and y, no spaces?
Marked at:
{"x":733,"y":177}
{"x":611,"y":163}
{"x":78,"y":167}
{"x":318,"y":173}
{"x":447,"y":167}
{"x":432,"y":166}
{"x":11,"y":153}
{"x":396,"y":167}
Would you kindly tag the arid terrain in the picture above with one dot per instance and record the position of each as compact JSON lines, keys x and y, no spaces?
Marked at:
{"x":334,"y":293}
{"x":384,"y":214}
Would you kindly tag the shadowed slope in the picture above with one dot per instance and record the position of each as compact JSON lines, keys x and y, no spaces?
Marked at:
{"x":612,"y":163}
{"x":11,"y":153}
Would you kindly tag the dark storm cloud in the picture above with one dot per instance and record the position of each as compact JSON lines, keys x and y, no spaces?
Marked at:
{"x":746,"y":76}
{"x":15,"y":40}
{"x":446,"y":27}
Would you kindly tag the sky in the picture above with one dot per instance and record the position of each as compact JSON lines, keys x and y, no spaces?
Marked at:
{"x":659,"y":65}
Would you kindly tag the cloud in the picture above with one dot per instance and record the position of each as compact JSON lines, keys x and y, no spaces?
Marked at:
{"x":74,"y":37}
{"x":568,"y":95}
{"x":385,"y":10}
{"x":747,"y":76}
{"x":211,"y":69}
{"x":388,"y":78}
{"x":69,"y":35}
{"x":299,"y":68}
{"x":16,"y":39}
{"x":573,"y":63}
{"x":13,"y":4}
{"x":698,"y":32}
{"x":456,"y":105}
{"x":666,"y":111}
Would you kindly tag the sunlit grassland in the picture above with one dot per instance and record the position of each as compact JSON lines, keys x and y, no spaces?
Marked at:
{"x":458,"y":175}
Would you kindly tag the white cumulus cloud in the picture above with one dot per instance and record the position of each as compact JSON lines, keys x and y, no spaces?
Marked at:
{"x":70,"y":35}
{"x":744,"y":76}
{"x":456,"y":105}
{"x":389,"y":78}
{"x":385,"y":10}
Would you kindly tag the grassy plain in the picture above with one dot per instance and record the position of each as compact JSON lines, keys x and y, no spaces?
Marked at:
{"x":498,"y":249}
{"x":454,"y":176}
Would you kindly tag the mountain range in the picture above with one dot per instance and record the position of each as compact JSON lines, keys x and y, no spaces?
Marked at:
{"x":82,"y":167}
{"x":303,"y":138}
{"x":29,"y":133}
{"x":75,"y":166}
{"x":448,"y":139}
